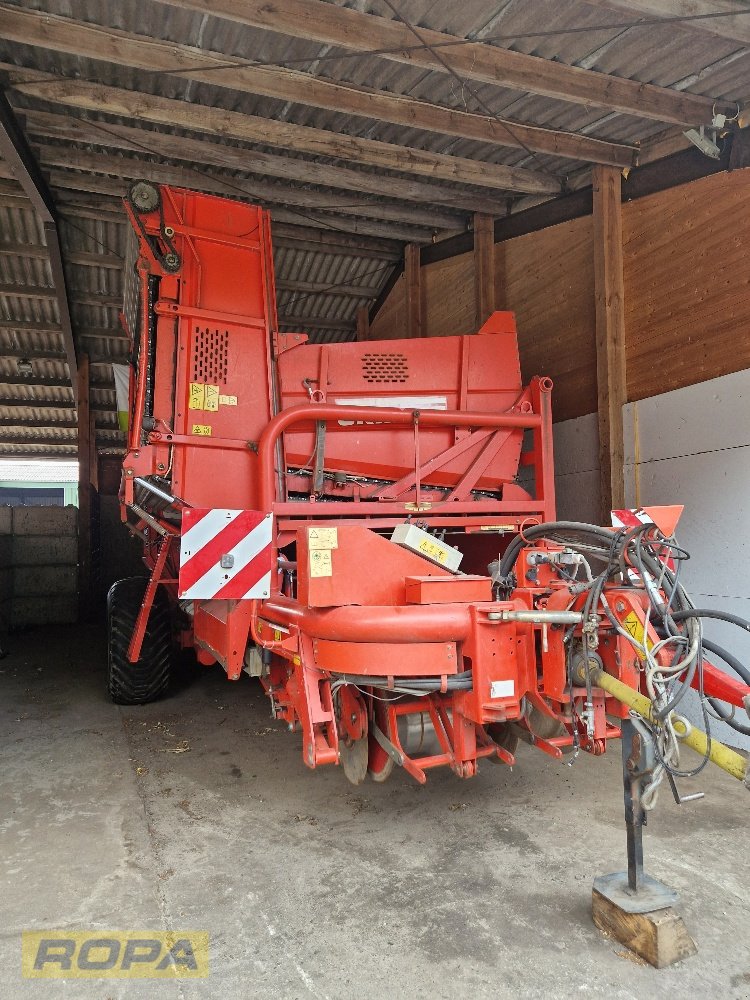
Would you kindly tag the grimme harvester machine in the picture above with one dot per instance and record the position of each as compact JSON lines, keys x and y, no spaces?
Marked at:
{"x":346,"y":523}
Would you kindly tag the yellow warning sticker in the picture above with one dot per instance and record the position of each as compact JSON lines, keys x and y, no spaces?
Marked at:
{"x":197,"y":395}
{"x":227,"y":400}
{"x":634,"y":626}
{"x":211,"y":401}
{"x":202,"y":430}
{"x":323,"y":538}
{"x":433,"y":550}
{"x":321,"y":563}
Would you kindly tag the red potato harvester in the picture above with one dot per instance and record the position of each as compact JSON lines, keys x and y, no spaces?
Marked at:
{"x":369,"y":529}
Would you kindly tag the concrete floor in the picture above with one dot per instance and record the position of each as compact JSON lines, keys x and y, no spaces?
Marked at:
{"x":311,"y":887}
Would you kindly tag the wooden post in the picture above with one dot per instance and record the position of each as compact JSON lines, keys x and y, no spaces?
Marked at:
{"x":412,"y":276}
{"x":484,"y":267}
{"x":610,"y":335}
{"x":363,"y":323}
{"x":84,"y":490}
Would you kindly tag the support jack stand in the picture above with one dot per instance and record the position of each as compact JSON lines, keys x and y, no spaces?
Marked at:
{"x":634,"y":908}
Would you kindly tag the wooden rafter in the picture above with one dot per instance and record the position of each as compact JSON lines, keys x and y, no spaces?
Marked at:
{"x":300,"y":138}
{"x":154,"y":55}
{"x":334,"y":25}
{"x":214,"y":154}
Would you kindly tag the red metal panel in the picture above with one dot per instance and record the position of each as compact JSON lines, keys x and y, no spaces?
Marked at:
{"x":416,"y":659}
{"x":448,"y":590}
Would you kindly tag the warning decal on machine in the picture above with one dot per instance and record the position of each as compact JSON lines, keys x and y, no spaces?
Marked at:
{"x":211,"y":401}
{"x":321,"y":563}
{"x":323,"y":538}
{"x":634,"y":626}
{"x":205,"y":397}
{"x":225,"y":554}
{"x":202,"y":430}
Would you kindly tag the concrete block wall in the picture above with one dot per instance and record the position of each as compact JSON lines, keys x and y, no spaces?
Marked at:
{"x":38,"y":566}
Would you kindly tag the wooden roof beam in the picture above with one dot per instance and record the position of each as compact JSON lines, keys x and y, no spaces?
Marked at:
{"x":331,"y":24}
{"x":15,"y":150}
{"x":136,"y":167}
{"x":300,"y":138}
{"x":124,"y":48}
{"x":215,"y":154}
{"x":90,"y":183}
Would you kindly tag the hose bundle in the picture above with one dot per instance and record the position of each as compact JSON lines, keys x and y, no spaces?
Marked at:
{"x":644,"y":559}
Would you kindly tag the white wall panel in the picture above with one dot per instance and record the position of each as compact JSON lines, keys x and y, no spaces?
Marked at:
{"x":693,"y":447}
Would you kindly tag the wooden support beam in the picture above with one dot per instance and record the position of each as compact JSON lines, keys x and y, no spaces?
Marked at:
{"x":610,"y":336}
{"x":484,"y":267}
{"x":299,"y":138}
{"x":258,"y":190}
{"x":62,"y":34}
{"x":363,"y":323}
{"x":334,"y":25}
{"x":413,"y":278}
{"x":203,"y":151}
{"x":658,"y":936}
{"x":84,"y":490}
{"x":90,"y":183}
{"x":15,"y":150}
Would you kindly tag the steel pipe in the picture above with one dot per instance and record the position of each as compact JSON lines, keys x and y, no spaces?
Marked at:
{"x":370,"y":414}
{"x":414,"y":623}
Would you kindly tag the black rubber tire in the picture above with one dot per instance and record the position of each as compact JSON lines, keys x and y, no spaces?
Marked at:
{"x":148,"y":679}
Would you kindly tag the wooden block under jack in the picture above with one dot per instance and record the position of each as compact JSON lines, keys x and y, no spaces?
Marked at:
{"x":659,"y":935}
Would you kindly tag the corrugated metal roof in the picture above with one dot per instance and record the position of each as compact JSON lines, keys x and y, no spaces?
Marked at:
{"x":318,"y":290}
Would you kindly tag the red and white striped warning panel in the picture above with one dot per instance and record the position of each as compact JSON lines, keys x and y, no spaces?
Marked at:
{"x":225,"y":554}
{"x":665,"y":518}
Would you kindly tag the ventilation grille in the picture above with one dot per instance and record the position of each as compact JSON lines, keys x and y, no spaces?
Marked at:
{"x":210,"y":356}
{"x":384,"y":368}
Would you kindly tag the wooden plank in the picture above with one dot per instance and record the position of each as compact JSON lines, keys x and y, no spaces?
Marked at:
{"x":73,"y":180}
{"x":83,"y":415}
{"x":659,"y":937}
{"x":253,"y":161}
{"x":300,"y":138}
{"x":484,"y":267}
{"x":684,"y":315}
{"x":259,"y":190}
{"x":609,"y":295}
{"x":449,"y":297}
{"x":349,"y":29}
{"x":390,"y":321}
{"x":412,"y":279}
{"x":62,"y":34}
{"x":547,"y":279}
{"x":363,"y":323}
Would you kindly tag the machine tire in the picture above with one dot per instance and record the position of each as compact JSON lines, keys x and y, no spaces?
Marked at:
{"x":504,"y":735}
{"x":148,"y":679}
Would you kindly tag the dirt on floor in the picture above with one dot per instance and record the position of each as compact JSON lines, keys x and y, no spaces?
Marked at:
{"x":197,"y":813}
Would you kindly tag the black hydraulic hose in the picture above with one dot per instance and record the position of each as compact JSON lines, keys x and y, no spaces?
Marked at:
{"x":550,"y":528}
{"x":723,"y":616}
{"x":735,"y":664}
{"x":729,"y":659}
